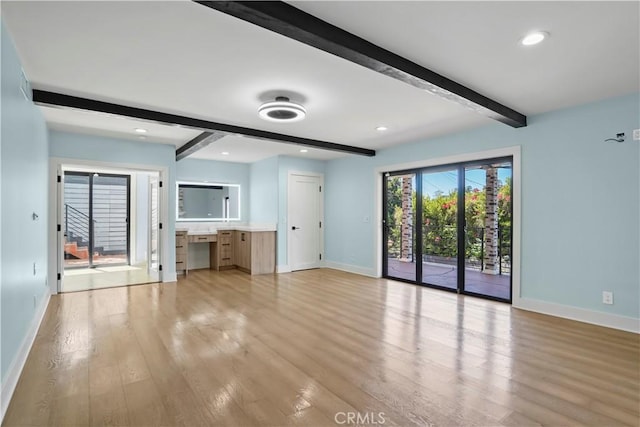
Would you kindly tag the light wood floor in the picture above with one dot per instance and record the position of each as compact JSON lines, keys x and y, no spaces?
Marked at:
{"x":298,"y":349}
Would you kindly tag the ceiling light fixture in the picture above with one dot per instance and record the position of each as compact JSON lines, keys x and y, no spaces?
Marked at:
{"x":225,"y":153}
{"x":304,"y":150}
{"x":282,"y":110}
{"x":534,"y":38}
{"x":140,"y":130}
{"x":381,"y":128}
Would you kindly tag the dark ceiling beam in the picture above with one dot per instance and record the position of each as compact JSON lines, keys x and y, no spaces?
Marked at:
{"x":42,"y":97}
{"x":198,"y":143}
{"x":294,"y":23}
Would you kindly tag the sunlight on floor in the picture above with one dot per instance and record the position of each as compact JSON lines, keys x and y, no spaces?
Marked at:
{"x":106,"y":277}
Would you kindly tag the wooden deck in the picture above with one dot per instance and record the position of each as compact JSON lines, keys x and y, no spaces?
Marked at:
{"x":307,"y":348}
{"x":498,"y":286}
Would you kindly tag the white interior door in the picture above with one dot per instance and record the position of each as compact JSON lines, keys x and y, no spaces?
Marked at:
{"x":304,"y":225}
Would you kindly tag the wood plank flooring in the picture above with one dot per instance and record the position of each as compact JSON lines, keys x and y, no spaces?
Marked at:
{"x":309,"y":349}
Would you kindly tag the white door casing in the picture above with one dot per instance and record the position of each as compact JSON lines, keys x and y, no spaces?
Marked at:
{"x":305,"y":216}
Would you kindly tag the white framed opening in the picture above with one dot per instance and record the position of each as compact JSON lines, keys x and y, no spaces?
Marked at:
{"x":147,"y":210}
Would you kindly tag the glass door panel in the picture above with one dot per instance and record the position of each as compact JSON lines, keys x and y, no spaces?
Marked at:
{"x":154,"y":229}
{"x":110,"y":215}
{"x":439,"y":228}
{"x":488,"y":230}
{"x":399,"y":232}
{"x":75,"y":212}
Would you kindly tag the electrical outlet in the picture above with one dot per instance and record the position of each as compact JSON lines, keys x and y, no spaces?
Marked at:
{"x":607,"y":297}
{"x":636,"y":134}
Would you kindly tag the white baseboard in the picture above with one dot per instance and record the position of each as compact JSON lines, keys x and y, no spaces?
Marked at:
{"x":369,"y":272}
{"x":17,"y":364}
{"x":599,"y":318}
{"x":170,"y":277}
{"x":283,"y":269}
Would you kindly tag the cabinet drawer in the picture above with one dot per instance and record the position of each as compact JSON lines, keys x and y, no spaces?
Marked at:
{"x":225,"y":233}
{"x":181,"y":238}
{"x":181,"y":257}
{"x":202,"y":238}
{"x":225,"y":261}
{"x":181,"y":265}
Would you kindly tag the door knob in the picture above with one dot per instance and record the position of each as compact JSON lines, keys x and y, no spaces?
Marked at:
{"x":295,"y":228}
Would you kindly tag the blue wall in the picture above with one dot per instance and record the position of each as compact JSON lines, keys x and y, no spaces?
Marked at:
{"x":24,"y":159}
{"x":221,"y":172}
{"x":580,"y":202}
{"x":120,"y":152}
{"x":264,"y":191}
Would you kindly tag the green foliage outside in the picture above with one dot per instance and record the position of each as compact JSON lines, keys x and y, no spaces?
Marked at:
{"x":439,"y":221}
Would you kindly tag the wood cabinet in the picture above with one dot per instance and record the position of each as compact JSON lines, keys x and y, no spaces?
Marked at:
{"x":222,"y":255}
{"x":252,"y":252}
{"x":181,"y":252}
{"x":255,"y":252}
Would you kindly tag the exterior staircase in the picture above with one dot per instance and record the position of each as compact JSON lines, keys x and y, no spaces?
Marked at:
{"x":73,"y":251}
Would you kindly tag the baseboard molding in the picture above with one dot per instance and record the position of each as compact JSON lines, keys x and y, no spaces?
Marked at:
{"x":283,"y":269}
{"x":170,"y":277}
{"x":369,"y":272}
{"x":599,"y":318}
{"x":15,"y":369}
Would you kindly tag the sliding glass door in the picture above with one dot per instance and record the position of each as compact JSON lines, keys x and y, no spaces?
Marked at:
{"x":440,"y":228}
{"x":462,"y":240}
{"x":399,"y":230}
{"x":96,"y":219}
{"x":488,"y":229}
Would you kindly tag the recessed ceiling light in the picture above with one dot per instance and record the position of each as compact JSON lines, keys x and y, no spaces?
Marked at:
{"x":381,"y":128}
{"x":282,"y":110}
{"x":140,"y":130}
{"x":225,"y":153}
{"x":304,"y":150}
{"x":534,"y":38}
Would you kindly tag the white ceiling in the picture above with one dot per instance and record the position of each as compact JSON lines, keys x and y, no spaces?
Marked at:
{"x":180,"y":57}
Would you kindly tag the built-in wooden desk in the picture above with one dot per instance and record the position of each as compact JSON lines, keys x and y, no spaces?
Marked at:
{"x":253,"y":252}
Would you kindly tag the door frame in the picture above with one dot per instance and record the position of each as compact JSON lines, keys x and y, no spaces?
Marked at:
{"x":321,"y":193}
{"x":57,"y":166}
{"x":513,"y":151}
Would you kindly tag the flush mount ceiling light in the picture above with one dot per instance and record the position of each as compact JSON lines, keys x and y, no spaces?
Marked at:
{"x":140,"y":130}
{"x":225,"y":153}
{"x":381,"y":128}
{"x":282,"y":110}
{"x":534,"y":38}
{"x":304,"y":150}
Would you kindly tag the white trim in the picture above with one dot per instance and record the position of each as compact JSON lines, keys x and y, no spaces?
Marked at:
{"x":283,"y":269}
{"x":356,"y":269}
{"x":291,"y":173}
{"x":56,"y":165}
{"x":599,"y":318}
{"x":17,"y":364}
{"x":169,"y":277}
{"x":513,"y":151}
